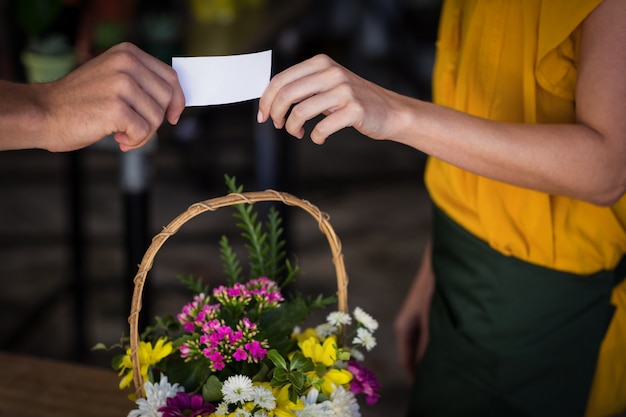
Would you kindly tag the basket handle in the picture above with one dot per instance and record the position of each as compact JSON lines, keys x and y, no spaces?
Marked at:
{"x":212,"y":205}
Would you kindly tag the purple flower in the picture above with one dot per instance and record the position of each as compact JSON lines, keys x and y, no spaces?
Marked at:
{"x":187,"y":405}
{"x":364,"y":381}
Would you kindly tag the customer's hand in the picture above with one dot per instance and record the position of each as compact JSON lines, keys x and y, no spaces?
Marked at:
{"x":124,"y":91}
{"x":321,"y":86}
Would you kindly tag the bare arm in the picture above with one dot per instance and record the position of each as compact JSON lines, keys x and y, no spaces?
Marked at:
{"x":124,"y":92}
{"x":584,"y":160}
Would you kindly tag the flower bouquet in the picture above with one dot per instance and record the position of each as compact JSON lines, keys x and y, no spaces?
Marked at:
{"x":240,"y":349}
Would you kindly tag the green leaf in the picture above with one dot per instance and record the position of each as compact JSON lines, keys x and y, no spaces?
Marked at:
{"x":191,"y":375}
{"x":301,"y":363}
{"x":297,"y":380}
{"x":279,"y":378}
{"x":116,"y":361}
{"x":278,"y":361}
{"x":212,"y":390}
{"x":100,"y":346}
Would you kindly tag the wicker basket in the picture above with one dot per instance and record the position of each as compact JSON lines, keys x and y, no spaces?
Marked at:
{"x":212,"y":205}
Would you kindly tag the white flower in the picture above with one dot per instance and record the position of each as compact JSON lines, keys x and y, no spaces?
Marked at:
{"x":364,"y":337}
{"x":312,"y":408}
{"x":365,"y":319}
{"x":261,"y":413}
{"x":344,"y":403}
{"x":238,"y":388}
{"x":326,"y":329}
{"x":338,"y":318}
{"x":357,"y":355}
{"x":242,"y":412}
{"x":264,"y":398}
{"x":156,"y":397}
{"x":222,"y":409}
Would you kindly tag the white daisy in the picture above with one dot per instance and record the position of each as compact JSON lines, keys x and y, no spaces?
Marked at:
{"x":326,"y":329}
{"x":365,"y":338}
{"x":264,"y":398}
{"x":222,"y":409}
{"x":261,"y":413}
{"x":242,"y":412}
{"x":338,"y":318}
{"x":312,"y":408}
{"x":344,"y":403}
{"x":365,"y":319}
{"x":238,"y":388}
{"x":156,"y":397}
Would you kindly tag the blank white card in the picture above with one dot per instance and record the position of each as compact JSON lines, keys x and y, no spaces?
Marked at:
{"x":213,"y":80}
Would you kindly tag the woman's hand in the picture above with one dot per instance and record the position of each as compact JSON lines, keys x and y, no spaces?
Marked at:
{"x":321,"y":86}
{"x":411,"y":324}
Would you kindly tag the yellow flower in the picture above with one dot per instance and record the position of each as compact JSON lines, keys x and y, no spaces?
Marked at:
{"x":334,"y":378}
{"x":284,"y":406}
{"x":148,"y":356}
{"x":325,"y":353}
{"x":309,"y":332}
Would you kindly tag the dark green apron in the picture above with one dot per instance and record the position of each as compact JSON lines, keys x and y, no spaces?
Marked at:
{"x":507,"y":338}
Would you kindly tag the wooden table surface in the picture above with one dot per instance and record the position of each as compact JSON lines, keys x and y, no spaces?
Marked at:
{"x":42,"y":387}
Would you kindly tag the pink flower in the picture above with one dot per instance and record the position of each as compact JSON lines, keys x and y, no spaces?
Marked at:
{"x":256,"y":350}
{"x":364,"y":381}
{"x":240,"y":355}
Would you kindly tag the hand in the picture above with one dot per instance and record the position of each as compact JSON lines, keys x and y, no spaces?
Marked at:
{"x":321,"y":86}
{"x":411,"y":324}
{"x":123,"y":91}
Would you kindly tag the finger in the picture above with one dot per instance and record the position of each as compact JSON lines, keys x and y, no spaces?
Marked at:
{"x":324,"y":103}
{"x":293,"y":85}
{"x":406,"y":354}
{"x":332,"y":123}
{"x":142,"y":112}
{"x":155,"y":77}
{"x":124,"y":142}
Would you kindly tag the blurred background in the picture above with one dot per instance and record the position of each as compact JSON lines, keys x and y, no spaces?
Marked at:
{"x":73,"y":227}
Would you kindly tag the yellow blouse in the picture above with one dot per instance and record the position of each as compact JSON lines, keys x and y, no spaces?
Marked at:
{"x":516,"y":61}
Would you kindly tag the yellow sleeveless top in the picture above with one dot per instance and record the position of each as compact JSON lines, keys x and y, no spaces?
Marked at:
{"x":516,"y":61}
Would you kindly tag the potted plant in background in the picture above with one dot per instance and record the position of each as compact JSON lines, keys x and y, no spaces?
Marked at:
{"x":49,"y":51}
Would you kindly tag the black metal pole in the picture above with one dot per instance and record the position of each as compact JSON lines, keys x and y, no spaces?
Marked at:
{"x":135,"y":173}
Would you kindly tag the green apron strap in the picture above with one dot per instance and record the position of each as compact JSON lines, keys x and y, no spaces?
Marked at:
{"x":507,"y":338}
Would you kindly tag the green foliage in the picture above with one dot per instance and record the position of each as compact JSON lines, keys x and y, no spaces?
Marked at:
{"x":291,"y":372}
{"x":232,"y":267}
{"x":263,"y":241}
{"x":196,"y":285}
{"x":189,"y":374}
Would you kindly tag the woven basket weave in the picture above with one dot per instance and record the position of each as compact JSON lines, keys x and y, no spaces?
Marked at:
{"x":212,"y":205}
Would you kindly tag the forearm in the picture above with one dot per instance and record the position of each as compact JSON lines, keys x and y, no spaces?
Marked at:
{"x":22,"y":116}
{"x":560,"y":159}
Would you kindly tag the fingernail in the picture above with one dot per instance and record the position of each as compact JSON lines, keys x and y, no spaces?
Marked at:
{"x":259,"y":117}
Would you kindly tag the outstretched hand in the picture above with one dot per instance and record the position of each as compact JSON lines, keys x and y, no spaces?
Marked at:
{"x":124,"y":91}
{"x":321,"y":86}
